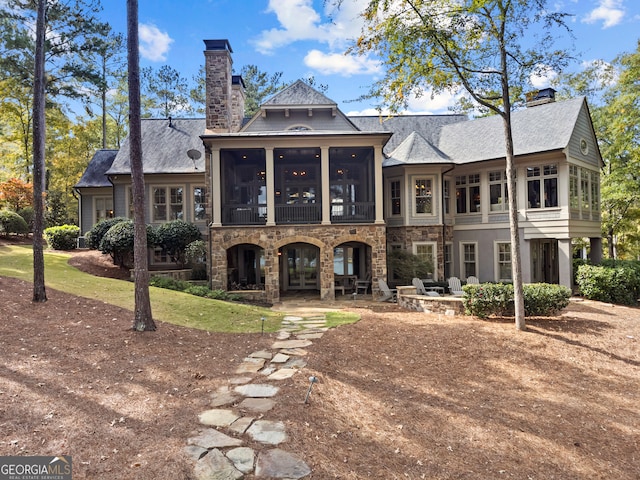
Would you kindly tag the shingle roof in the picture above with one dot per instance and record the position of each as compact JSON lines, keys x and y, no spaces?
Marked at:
{"x":164,"y":147}
{"x":536,"y":129}
{"x":417,"y":150}
{"x":428,"y":126}
{"x":95,"y":173}
{"x":299,"y":93}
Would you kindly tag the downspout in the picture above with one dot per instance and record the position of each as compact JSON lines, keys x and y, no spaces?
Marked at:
{"x":444,"y":225}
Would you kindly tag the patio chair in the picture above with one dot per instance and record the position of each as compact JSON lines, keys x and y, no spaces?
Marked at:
{"x":362,"y":286}
{"x":388,"y":294}
{"x":421,"y":289}
{"x":455,"y":286}
{"x":473,"y":280}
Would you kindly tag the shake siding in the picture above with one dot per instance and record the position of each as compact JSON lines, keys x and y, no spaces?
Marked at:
{"x":583,"y":130}
{"x":276,"y":121}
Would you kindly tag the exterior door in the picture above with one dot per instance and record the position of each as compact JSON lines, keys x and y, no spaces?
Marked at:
{"x":302,"y":267}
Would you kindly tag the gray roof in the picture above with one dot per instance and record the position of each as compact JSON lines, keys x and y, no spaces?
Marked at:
{"x":95,"y":173}
{"x":164,"y":147}
{"x":536,"y":129}
{"x":298,"y":93}
{"x":415,"y":149}
{"x":428,"y":126}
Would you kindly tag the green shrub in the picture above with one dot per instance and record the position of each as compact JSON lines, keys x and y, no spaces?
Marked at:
{"x":118,"y":242}
{"x":169,"y":283}
{"x":540,"y":299}
{"x":12,"y":223}
{"x":64,"y":237}
{"x":173,"y":238}
{"x":620,"y":285}
{"x":28,"y":214}
{"x":94,"y":236}
{"x":403,"y":266}
{"x":196,"y":257}
{"x":186,"y":287}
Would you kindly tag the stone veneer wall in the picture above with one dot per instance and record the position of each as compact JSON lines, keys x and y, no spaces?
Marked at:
{"x":407,"y":236}
{"x":325,"y":237}
{"x":218,"y":90}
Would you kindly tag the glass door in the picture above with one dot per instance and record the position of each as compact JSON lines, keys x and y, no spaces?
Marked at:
{"x":302,"y":268}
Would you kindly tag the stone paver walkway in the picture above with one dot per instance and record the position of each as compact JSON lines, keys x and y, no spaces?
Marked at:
{"x":218,"y":450}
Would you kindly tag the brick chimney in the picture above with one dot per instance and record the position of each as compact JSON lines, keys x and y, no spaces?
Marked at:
{"x":219,"y":90}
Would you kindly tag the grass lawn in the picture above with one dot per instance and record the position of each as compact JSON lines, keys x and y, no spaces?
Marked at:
{"x":167,"y":305}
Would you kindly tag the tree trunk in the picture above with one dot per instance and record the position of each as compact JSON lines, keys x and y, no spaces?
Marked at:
{"x":39,"y":291}
{"x":143,"y":320}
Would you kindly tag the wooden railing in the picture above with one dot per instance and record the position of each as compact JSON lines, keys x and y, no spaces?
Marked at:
{"x":299,"y":213}
{"x":244,"y":215}
{"x":360,"y":212}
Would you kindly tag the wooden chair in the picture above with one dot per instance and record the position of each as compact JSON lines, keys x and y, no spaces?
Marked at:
{"x":388,"y":294}
{"x":421,"y":290}
{"x":362,"y":286}
{"x":473,"y":280}
{"x":455,"y":286}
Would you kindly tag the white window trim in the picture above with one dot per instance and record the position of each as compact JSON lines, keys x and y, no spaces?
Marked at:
{"x":389,"y":199}
{"x":461,"y":257}
{"x":434,"y":207}
{"x":168,"y":187}
{"x":95,"y":207}
{"x":192,"y":204}
{"x":496,"y":261}
{"x":434,"y":256}
{"x":444,"y":259}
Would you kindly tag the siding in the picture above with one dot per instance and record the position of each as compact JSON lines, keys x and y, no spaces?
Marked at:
{"x":583,"y":130}
{"x":321,"y":120}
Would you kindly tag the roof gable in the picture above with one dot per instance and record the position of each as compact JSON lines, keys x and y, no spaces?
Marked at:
{"x":165,"y":143}
{"x":95,"y":175}
{"x":415,"y":150}
{"x":299,"y":94}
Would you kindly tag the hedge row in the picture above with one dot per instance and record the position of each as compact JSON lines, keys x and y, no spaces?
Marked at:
{"x":186,"y":287}
{"x":612,"y":282}
{"x":540,"y":299}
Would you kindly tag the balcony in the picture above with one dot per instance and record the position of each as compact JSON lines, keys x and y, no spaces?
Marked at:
{"x":357,"y":212}
{"x":244,"y":215}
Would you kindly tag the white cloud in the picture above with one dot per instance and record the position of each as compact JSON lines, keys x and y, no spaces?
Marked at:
{"x":426,"y":104}
{"x":340,"y":64}
{"x":154,"y":44}
{"x":610,"y":12}
{"x":543,"y":76}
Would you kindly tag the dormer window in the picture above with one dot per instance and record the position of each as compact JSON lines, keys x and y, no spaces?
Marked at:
{"x":299,"y":128}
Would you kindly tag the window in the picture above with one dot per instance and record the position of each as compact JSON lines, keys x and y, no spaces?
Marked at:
{"x":199,"y":204}
{"x":104,"y":208}
{"x":448,"y":260}
{"x":584,"y":188}
{"x":426,"y":251}
{"x":498,"y":191}
{"x":168,"y":203}
{"x":468,"y":193}
{"x":574,"y":193}
{"x":447,"y":196}
{"x":595,"y":192}
{"x":468,"y":260}
{"x":343,"y":260}
{"x":424,"y":195}
{"x":542,"y":186}
{"x":396,"y":204}
{"x":503,"y":261}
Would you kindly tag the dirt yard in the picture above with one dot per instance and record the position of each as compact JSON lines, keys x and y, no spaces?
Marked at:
{"x":401,"y":395}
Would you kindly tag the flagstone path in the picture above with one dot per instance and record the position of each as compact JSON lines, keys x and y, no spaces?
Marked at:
{"x":218,"y":449}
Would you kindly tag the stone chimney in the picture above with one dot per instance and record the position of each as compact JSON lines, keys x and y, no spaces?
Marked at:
{"x":237,"y":102}
{"x":540,"y":97}
{"x":218,"y":80}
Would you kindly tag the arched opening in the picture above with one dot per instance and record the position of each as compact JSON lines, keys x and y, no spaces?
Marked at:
{"x":352,"y":264}
{"x":299,"y":267}
{"x":245,"y":267}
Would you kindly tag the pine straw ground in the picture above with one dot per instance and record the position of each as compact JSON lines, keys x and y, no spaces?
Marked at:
{"x":401,"y":395}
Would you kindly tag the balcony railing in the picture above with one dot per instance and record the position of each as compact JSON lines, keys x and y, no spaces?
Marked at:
{"x":359,"y":212}
{"x":244,"y":215}
{"x":299,"y":213}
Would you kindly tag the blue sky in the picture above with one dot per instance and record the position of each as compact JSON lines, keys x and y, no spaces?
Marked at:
{"x":304,"y":37}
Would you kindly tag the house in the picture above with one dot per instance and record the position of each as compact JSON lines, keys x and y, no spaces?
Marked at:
{"x":303,"y":197}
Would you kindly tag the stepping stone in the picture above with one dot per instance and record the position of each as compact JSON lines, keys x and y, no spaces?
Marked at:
{"x":262,"y":354}
{"x":195,"y":452}
{"x":280,"y":358}
{"x":283,"y":335}
{"x":240,"y":380}
{"x":222,"y":398}
{"x":267,"y":431}
{"x":291,"y":344}
{"x":212,"y":438}
{"x":282,"y":374}
{"x":300,"y":352}
{"x":292,"y":318}
{"x":268,"y":370}
{"x":309,"y":336}
{"x":259,"y":405}
{"x":277,"y":463}
{"x":218,"y":417}
{"x":242,"y":458}
{"x":256,"y":390}
{"x":215,"y":466}
{"x":295,"y":363}
{"x":251,"y":365}
{"x":240,"y":426}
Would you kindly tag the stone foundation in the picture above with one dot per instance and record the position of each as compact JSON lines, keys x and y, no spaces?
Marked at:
{"x":449,"y":305}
